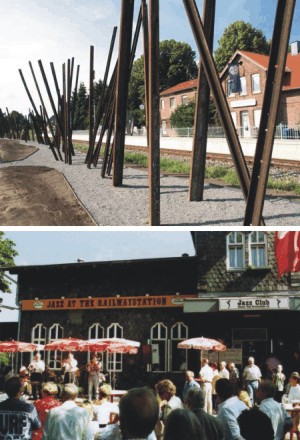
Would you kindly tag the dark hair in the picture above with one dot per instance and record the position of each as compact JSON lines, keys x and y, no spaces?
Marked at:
{"x":268,"y":387}
{"x":182,"y":424}
{"x":13,"y":386}
{"x":224,"y":388}
{"x":255,"y":425}
{"x":138,"y":412}
{"x":195,"y":398}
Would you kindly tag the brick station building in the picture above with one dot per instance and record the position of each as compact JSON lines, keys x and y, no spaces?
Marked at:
{"x":245,"y":106}
{"x":228,"y":291}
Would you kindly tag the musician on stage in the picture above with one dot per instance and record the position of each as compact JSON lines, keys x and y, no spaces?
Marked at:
{"x":70,"y":367}
{"x":94,"y":368}
{"x":36,"y":369}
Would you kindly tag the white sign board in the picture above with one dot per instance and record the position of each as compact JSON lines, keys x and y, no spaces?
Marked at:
{"x":232,"y":355}
{"x":257,"y":303}
{"x":243,"y":103}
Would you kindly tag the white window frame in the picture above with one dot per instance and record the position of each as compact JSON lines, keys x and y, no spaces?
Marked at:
{"x":114,"y":361}
{"x":257,"y":117}
{"x":255,"y":244}
{"x":159,"y":333}
{"x":56,"y":331}
{"x":36,"y":336}
{"x":184,"y":99}
{"x":162,"y":104}
{"x":179,"y":332}
{"x":235,"y":245}
{"x":253,"y":84}
{"x":243,"y":92}
{"x":172,"y":102}
{"x":96,"y":331}
{"x":228,"y":93}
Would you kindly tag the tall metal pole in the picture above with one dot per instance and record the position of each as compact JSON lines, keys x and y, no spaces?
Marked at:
{"x":154,"y":122}
{"x":122,"y":88}
{"x":202,"y":111}
{"x":266,"y":133}
{"x":146,"y":63}
{"x":91,"y":101}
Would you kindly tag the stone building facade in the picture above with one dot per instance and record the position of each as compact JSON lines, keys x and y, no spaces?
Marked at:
{"x":228,"y":291}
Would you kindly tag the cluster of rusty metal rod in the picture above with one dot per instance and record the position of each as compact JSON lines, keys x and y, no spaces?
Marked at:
{"x":63,"y":113}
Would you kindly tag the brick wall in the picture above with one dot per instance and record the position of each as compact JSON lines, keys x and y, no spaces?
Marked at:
{"x":165,"y":113}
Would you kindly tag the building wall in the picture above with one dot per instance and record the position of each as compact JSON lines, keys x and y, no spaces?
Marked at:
{"x":165,"y":113}
{"x":289,"y":110}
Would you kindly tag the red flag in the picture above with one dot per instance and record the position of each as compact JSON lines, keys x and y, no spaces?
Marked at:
{"x":287,"y":251}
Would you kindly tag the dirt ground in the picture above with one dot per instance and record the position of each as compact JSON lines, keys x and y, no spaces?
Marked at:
{"x":36,"y":196}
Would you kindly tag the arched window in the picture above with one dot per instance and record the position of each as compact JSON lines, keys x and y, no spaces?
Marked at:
{"x":258,"y":255}
{"x":159,"y":343}
{"x":235,"y":251}
{"x":114,"y":361}
{"x":178,"y":356}
{"x":56,"y":331}
{"x":96,"y":331}
{"x":38,"y":336}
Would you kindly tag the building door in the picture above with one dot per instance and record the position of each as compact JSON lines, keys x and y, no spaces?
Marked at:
{"x":245,"y":124}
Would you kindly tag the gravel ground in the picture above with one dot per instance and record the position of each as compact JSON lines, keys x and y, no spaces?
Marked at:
{"x":128,"y":205}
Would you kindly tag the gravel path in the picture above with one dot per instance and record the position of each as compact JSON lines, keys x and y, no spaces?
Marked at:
{"x":128,"y":205}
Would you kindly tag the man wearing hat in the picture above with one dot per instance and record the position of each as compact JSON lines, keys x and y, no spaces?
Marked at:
{"x":294,"y":391}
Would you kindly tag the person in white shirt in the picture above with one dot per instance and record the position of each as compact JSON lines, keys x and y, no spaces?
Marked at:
{"x":206,"y":375}
{"x":104,"y":411}
{"x":252,"y":377}
{"x":68,"y":421}
{"x":167,"y":393}
{"x":36,"y":369}
{"x":294,"y":391}
{"x":70,"y":368}
{"x":223,"y":372}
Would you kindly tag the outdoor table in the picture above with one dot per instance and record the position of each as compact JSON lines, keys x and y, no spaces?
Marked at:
{"x":117,"y":394}
{"x":294,"y":411}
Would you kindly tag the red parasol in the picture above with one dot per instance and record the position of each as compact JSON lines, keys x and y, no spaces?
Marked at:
{"x":68,"y":344}
{"x":114,"y":345}
{"x":202,"y":344}
{"x":19,"y":346}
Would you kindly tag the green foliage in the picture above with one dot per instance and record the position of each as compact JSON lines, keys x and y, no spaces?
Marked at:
{"x":4,"y":358}
{"x":177,"y":64}
{"x":81,"y":109}
{"x":7,"y":254}
{"x":183,"y":116}
{"x":242,"y":36}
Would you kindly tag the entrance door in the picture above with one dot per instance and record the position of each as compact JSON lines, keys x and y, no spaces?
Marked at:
{"x":245,"y":124}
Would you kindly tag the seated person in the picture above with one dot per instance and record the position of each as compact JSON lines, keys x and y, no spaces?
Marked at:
{"x":104,"y":411}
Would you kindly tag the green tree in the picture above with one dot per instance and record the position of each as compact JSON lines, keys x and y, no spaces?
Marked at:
{"x":177,"y":64}
{"x":81,"y":109}
{"x":7,"y":254}
{"x":242,"y":36}
{"x":183,"y":116}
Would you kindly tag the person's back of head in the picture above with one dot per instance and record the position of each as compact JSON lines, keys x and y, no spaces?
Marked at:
{"x":183,"y":424}
{"x":268,"y":388}
{"x":195,"y":398}
{"x":105,"y":391}
{"x":138,"y":413}
{"x":13,"y":386}
{"x":224,"y":389}
{"x":255,"y":425}
{"x":70,"y":392}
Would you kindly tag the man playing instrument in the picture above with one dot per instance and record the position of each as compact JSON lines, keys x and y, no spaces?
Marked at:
{"x":70,"y":368}
{"x":94,"y":368}
{"x":36,"y":369}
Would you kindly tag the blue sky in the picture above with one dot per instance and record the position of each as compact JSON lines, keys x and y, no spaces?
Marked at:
{"x":53,"y":31}
{"x":51,"y":247}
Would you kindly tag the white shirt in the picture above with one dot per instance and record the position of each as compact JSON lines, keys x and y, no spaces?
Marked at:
{"x":207,"y":373}
{"x":70,"y":365}
{"x":174,"y":403}
{"x":294,"y":393}
{"x":36,"y":366}
{"x":252,"y":372}
{"x":66,"y":422}
{"x":103,"y":411}
{"x":224,"y":374}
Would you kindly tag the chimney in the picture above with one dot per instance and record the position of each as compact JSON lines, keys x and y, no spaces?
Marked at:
{"x":295,"y":48}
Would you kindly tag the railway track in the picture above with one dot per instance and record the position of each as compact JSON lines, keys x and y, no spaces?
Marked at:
{"x":292,"y":165}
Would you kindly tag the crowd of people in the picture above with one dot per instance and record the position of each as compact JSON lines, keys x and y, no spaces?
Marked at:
{"x":220,"y":404}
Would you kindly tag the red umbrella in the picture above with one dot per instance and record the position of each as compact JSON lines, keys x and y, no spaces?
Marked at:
{"x":114,"y":345}
{"x":19,"y":346}
{"x":202,"y":344}
{"x":68,"y":344}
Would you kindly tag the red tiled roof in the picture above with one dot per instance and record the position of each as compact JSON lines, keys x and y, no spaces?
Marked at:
{"x":187,"y":85}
